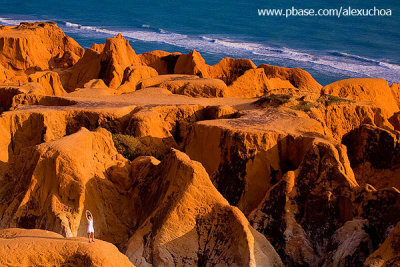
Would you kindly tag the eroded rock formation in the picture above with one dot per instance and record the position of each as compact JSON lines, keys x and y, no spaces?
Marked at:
{"x":75,"y":187}
{"x":105,"y":61}
{"x":37,"y":46}
{"x":180,"y":165}
{"x":20,"y":247}
{"x":375,"y":91}
{"x":388,"y":253}
{"x":374,"y":155}
{"x":188,"y":222}
{"x":297,"y":78}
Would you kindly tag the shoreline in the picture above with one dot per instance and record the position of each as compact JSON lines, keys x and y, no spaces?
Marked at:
{"x":326,"y":66}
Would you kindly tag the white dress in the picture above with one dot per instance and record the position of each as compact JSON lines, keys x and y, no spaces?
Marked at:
{"x":90,"y":228}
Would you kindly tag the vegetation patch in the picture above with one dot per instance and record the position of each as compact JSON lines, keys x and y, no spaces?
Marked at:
{"x":132,"y":147}
{"x":305,"y":106}
{"x":273,"y":100}
{"x":332,"y":99}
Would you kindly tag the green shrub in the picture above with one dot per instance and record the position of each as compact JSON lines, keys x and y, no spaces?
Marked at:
{"x":331,"y":99}
{"x":305,"y":106}
{"x":273,"y":99}
{"x":128,"y":146}
{"x":132,"y":147}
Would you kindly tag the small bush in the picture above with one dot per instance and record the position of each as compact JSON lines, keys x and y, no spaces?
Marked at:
{"x":331,"y":99}
{"x":305,"y":106}
{"x":273,"y":99}
{"x":132,"y":147}
{"x":128,"y":146}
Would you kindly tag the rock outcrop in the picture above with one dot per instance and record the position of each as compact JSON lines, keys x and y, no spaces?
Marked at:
{"x":6,"y":75}
{"x":110,"y":183}
{"x":395,"y":88}
{"x":252,"y":83}
{"x":49,"y":81}
{"x":116,"y":57}
{"x":370,"y":204}
{"x":37,"y":46}
{"x":350,"y":245}
{"x":244,"y":79}
{"x":388,"y":254}
{"x":7,"y":94}
{"x":288,"y":214}
{"x":163,"y":62}
{"x":107,"y":62}
{"x":395,"y":121}
{"x":157,"y":81}
{"x":227,"y":70}
{"x":192,"y":63}
{"x":96,"y":83}
{"x":186,"y":220}
{"x":133,"y":75}
{"x":341,"y":117}
{"x":374,"y":91}
{"x":170,"y":124}
{"x":25,"y":128}
{"x":30,"y":94}
{"x":245,"y":156}
{"x":63,"y":178}
{"x":374,"y":155}
{"x":196,"y":87}
{"x":21,"y":247}
{"x":297,"y":78}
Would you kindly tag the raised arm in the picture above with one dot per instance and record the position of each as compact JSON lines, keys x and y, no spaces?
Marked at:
{"x":88,"y":213}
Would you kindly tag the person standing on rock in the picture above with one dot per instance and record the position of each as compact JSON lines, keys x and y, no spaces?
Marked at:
{"x":90,"y":229}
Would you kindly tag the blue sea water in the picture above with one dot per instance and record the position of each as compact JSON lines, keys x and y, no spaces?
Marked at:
{"x":330,"y":48}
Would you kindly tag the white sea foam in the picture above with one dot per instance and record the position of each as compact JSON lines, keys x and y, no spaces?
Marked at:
{"x":389,"y":65}
{"x":8,"y":21}
{"x":207,"y":38}
{"x":336,"y":62}
{"x":69,"y":24}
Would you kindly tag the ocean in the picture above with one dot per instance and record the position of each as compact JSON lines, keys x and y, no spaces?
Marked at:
{"x":330,"y":48}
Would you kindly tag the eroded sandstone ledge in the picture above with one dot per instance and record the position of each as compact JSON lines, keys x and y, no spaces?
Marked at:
{"x":183,"y":163}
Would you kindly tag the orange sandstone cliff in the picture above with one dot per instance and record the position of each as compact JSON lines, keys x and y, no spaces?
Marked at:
{"x":21,"y":247}
{"x":182,"y":163}
{"x":37,"y":46}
